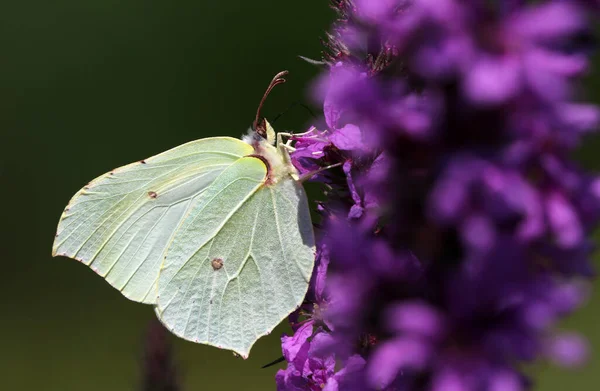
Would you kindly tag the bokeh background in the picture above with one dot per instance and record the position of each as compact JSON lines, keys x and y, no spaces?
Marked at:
{"x":89,"y":85}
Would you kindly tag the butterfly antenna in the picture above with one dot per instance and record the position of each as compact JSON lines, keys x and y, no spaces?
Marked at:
{"x":259,"y":124}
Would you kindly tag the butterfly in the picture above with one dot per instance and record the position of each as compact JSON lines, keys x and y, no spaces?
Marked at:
{"x":216,"y":234}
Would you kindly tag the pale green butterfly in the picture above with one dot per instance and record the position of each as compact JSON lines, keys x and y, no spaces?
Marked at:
{"x":215,"y":233}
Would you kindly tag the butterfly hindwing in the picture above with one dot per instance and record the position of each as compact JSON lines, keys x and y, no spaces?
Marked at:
{"x":240,"y":262}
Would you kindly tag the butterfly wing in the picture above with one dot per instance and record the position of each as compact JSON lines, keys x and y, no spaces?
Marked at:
{"x":240,"y":262}
{"x":121,"y":223}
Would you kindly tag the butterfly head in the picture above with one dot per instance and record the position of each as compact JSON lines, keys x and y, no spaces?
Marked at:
{"x":262,"y":138}
{"x":259,"y":134}
{"x":276,"y":158}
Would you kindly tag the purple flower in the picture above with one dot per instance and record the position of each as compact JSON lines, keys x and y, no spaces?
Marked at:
{"x":455,"y":231}
{"x":568,"y":350}
{"x":309,"y":369}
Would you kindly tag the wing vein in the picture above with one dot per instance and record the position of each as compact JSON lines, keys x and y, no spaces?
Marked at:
{"x":220,"y":227}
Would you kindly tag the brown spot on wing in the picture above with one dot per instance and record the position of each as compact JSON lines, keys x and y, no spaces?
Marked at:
{"x":216,"y":263}
{"x":152,"y":194}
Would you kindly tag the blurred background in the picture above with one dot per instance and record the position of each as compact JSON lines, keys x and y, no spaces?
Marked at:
{"x":87,"y":86}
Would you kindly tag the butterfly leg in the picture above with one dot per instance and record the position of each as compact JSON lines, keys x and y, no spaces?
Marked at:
{"x":288,"y":145}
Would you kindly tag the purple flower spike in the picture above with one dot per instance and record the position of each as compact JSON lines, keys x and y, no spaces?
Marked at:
{"x":455,"y":232}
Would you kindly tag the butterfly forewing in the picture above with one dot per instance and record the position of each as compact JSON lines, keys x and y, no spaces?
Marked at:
{"x":121,"y":223}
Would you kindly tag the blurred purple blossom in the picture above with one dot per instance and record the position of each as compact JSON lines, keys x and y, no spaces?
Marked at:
{"x":158,"y":371}
{"x":456,"y":228}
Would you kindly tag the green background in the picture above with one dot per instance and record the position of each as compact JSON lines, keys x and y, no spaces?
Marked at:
{"x":89,"y":85}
